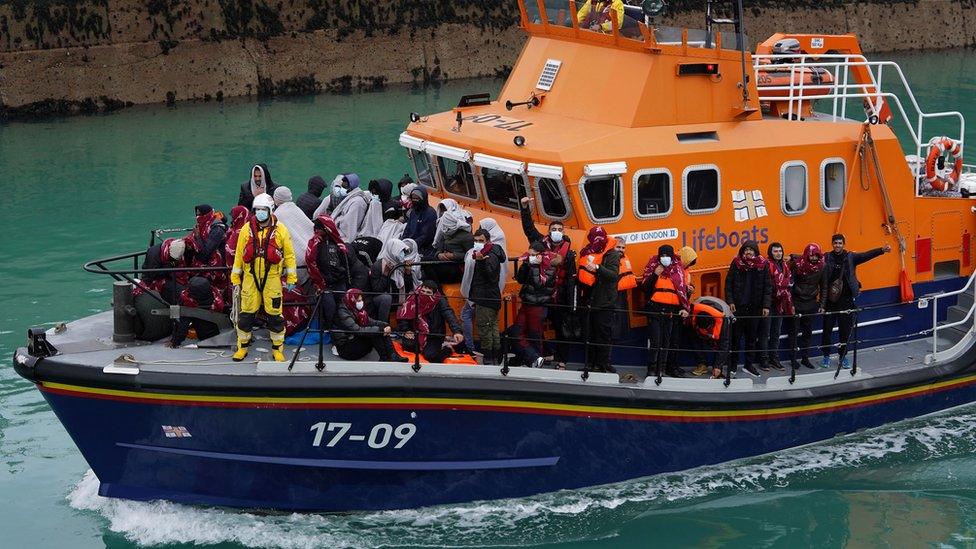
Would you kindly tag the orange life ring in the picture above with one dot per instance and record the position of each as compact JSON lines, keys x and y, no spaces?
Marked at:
{"x":938,"y":147}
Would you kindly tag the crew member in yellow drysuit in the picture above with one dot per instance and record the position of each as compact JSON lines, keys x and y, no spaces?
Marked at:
{"x":258,"y":265}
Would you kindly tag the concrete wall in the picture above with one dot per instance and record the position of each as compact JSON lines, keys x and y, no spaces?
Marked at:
{"x":67,"y":56}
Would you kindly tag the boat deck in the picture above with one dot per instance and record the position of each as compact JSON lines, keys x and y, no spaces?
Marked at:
{"x":87,"y":342}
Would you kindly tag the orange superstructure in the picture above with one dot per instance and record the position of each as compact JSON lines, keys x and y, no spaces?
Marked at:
{"x":655,"y":140}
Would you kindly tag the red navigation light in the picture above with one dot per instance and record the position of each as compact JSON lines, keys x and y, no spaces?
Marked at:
{"x":693,"y":69}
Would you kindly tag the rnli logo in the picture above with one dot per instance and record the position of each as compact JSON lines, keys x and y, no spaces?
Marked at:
{"x":748,"y":205}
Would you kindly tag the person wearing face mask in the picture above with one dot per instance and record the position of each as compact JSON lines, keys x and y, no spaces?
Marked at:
{"x":355,"y":333}
{"x":480,"y":286}
{"x":749,"y":293}
{"x":537,"y":275}
{"x":839,"y":288}
{"x":264,"y":254}
{"x":807,"y":270}
{"x":390,"y":207}
{"x":350,"y":206}
{"x":772,"y":325}
{"x":390,"y":279}
{"x":421,"y":223}
{"x":599,"y":278}
{"x":557,"y":242}
{"x":259,"y":183}
{"x":665,"y":285}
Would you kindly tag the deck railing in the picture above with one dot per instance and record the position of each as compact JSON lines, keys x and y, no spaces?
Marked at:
{"x":844,"y":87}
{"x":967,"y":341}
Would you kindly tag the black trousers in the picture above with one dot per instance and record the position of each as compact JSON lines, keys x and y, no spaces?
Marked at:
{"x":560,"y":349}
{"x":745,"y":338}
{"x":844,"y":323}
{"x":801,"y":333}
{"x":599,"y":334}
{"x":360,"y":346}
{"x":663,"y":325}
{"x":433,"y":351}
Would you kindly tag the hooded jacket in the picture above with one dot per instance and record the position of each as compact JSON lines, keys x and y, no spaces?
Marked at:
{"x":310,"y":200}
{"x":246,"y":198}
{"x":421,"y":222}
{"x":749,"y":289}
{"x":806,"y":287}
{"x":383,"y":190}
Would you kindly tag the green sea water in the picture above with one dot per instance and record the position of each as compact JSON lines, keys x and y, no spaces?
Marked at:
{"x":80,"y":188}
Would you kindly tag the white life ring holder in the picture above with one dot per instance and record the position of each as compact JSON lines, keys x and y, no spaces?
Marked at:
{"x":937,"y":147}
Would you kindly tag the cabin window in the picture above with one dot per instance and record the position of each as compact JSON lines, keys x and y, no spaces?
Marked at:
{"x":458,"y":178}
{"x":793,"y":188}
{"x":833,"y":183}
{"x":422,"y":167}
{"x":701,"y":189}
{"x":652,"y":193}
{"x":602,"y":197}
{"x":552,"y":198}
{"x":502,"y":188}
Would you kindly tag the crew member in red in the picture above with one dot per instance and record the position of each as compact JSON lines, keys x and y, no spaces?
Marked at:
{"x":665,"y":286}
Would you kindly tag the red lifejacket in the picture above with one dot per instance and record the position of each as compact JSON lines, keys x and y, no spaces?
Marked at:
{"x":268,"y":249}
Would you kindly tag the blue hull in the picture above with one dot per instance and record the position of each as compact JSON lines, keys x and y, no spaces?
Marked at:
{"x":264,"y":457}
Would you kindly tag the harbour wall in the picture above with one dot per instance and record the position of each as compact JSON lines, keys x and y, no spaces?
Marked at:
{"x":62,"y":57}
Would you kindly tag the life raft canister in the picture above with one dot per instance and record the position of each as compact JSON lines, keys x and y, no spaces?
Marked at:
{"x":937,"y":147}
{"x":270,"y":252}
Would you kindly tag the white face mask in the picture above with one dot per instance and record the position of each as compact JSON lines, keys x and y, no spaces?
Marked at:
{"x":556,"y":236}
{"x":478,"y":246}
{"x":666,"y":261}
{"x":339,"y":192}
{"x":535,"y":259}
{"x":360,"y":305}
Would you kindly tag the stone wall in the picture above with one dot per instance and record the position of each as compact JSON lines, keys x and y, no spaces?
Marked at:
{"x":68,"y":56}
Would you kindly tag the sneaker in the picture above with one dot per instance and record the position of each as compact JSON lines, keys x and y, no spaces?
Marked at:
{"x":825,"y":362}
{"x":397,"y":357}
{"x":776,"y":365}
{"x":752,"y":370}
{"x":845,"y":363}
{"x":700,"y":370}
{"x":806,"y":362}
{"x":539,"y":362}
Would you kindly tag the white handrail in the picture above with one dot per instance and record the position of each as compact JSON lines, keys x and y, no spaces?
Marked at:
{"x":841,"y":89}
{"x":967,"y":341}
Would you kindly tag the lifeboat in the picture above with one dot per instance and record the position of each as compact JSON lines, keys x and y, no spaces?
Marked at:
{"x":657,"y":143}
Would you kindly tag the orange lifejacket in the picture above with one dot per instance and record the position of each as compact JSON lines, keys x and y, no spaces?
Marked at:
{"x":664,"y":292}
{"x":626,"y":279}
{"x":715,"y":332}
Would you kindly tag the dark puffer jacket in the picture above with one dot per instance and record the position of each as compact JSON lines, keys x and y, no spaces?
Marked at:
{"x":534,"y":291}
{"x":341,"y":271}
{"x":806,"y":289}
{"x":484,"y":284}
{"x":309,"y":201}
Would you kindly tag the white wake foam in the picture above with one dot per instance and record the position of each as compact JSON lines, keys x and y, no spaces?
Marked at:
{"x":551,"y":518}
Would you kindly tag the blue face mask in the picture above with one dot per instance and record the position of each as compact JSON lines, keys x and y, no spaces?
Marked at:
{"x":339,"y":192}
{"x":261,"y":215}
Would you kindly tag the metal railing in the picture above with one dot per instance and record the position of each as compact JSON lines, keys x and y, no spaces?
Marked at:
{"x":968,"y":340}
{"x":843,"y":88}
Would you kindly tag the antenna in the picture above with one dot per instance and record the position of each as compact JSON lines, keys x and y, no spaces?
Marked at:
{"x":740,"y":38}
